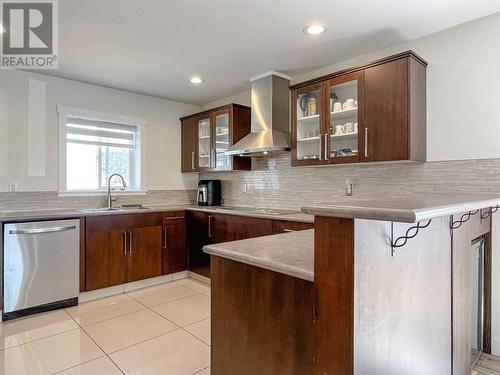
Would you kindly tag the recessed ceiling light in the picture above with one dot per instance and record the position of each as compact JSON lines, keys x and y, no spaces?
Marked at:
{"x":315,"y":29}
{"x":196,"y":80}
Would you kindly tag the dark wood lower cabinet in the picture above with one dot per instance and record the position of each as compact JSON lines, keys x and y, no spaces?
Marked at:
{"x":232,"y":227}
{"x":144,"y":253}
{"x":104,"y":259}
{"x":204,"y":228}
{"x":174,"y":258}
{"x":199,"y":227}
{"x":261,"y":321}
{"x":283,"y":226}
{"x":132,"y":247}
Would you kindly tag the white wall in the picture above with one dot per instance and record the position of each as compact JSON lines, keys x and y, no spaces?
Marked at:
{"x":164,"y":130}
{"x":463,"y":88}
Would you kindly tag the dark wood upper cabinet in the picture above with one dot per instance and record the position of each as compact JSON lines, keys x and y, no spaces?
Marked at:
{"x":375,"y":112}
{"x":189,"y":135}
{"x":208,"y":134}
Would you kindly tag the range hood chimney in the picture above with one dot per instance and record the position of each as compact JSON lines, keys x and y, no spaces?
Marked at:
{"x":269,"y":117}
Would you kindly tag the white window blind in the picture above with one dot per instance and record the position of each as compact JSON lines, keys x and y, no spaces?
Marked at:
{"x":101,"y":133}
{"x":95,"y":149}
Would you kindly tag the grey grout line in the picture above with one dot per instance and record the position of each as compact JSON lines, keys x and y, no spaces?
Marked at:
{"x":82,"y":328}
{"x":90,"y":360}
{"x":90,"y":337}
{"x":203,"y":369}
{"x":180,"y":327}
{"x":175,"y":299}
{"x":41,"y":338}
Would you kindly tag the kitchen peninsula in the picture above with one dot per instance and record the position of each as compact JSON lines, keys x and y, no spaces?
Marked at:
{"x":381,"y":287}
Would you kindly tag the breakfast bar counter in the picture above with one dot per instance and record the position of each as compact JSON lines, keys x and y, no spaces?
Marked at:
{"x":386,"y":289}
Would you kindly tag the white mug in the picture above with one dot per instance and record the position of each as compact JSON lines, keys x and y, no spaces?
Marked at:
{"x":348,"y":104}
{"x":355,"y":127}
{"x":348,"y":128}
{"x":337,"y":106}
{"x":339,"y":129}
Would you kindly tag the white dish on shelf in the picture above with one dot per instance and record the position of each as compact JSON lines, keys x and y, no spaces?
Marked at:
{"x":352,"y":134}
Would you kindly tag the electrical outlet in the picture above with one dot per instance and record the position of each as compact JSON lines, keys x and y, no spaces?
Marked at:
{"x":12,"y":186}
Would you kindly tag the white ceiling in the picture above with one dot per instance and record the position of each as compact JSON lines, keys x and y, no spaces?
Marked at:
{"x":154,"y":46}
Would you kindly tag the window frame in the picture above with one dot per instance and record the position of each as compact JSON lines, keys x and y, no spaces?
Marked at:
{"x":64,"y":112}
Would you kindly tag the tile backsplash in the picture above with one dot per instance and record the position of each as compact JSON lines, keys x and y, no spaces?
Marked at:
{"x":51,"y":200}
{"x":274,"y":183}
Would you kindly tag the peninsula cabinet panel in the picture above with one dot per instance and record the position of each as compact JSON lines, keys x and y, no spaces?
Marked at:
{"x":144,"y":253}
{"x":261,"y":321}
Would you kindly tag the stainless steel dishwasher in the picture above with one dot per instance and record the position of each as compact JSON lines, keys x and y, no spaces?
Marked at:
{"x":41,"y":266}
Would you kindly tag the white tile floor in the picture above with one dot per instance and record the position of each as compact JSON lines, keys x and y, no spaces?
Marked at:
{"x":162,"y":330}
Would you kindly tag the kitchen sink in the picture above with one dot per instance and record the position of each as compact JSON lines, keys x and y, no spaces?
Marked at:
{"x":114,"y":209}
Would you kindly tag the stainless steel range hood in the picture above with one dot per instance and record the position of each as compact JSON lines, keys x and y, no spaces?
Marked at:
{"x":269,"y":117}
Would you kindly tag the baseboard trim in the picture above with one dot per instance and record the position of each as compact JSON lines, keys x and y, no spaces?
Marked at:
{"x":495,"y":346}
{"x":203,"y":279}
{"x":128,"y":287}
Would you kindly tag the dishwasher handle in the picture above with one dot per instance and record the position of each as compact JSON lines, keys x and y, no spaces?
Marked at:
{"x":42,"y":230}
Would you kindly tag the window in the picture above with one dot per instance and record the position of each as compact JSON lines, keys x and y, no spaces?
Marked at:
{"x":92,"y":149}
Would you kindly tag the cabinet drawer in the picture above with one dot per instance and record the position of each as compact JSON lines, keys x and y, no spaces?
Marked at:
{"x":107,"y":223}
{"x":173,"y":215}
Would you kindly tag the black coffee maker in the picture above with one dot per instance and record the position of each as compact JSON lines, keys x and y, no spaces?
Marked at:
{"x":209,"y":193}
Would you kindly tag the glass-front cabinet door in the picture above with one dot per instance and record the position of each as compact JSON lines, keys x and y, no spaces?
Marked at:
{"x":307,"y":125}
{"x":204,"y":143}
{"x":221,"y":140}
{"x":345,"y":118}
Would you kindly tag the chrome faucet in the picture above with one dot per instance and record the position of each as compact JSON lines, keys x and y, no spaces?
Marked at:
{"x":124,"y":186}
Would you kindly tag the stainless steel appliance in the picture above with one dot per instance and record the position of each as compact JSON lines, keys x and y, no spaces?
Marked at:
{"x":270,"y":119}
{"x":209,"y":193}
{"x":41,"y":266}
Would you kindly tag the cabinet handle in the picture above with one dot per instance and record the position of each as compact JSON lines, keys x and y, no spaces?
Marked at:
{"x":288,"y":230}
{"x":130,"y":243}
{"x":124,"y":243}
{"x":174,"y":217}
{"x":210,"y":226}
{"x":164,"y":238}
{"x":192,"y":160}
{"x":326,"y":146}
{"x":319,"y":148}
{"x":214,"y":159}
{"x":366,"y":142}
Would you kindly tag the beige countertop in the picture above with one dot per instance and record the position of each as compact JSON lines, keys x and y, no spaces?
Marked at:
{"x":289,"y":253}
{"x":295,"y":216}
{"x":55,"y":214}
{"x":410,"y":209}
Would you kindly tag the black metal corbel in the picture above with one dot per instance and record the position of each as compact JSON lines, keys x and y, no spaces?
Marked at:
{"x":464,"y":218}
{"x":401,"y":241}
{"x":491,"y":211}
